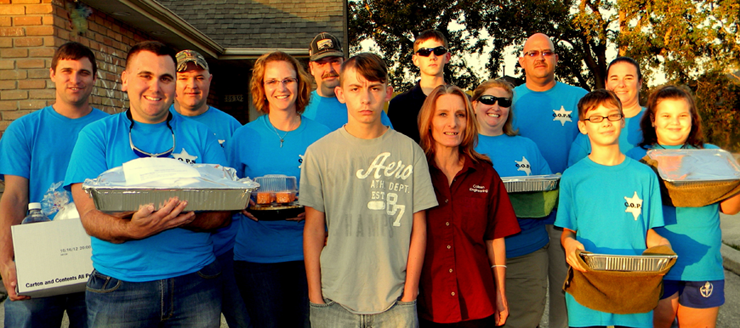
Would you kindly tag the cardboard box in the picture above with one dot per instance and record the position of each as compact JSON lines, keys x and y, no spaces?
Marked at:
{"x":51,"y":258}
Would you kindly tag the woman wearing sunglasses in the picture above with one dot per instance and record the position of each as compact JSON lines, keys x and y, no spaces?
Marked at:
{"x":694,"y":288}
{"x":512,"y":155}
{"x":462,"y":281}
{"x":268,"y":255}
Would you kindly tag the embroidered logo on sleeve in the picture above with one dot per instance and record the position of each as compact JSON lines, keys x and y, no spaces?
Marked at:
{"x":561,"y":115}
{"x":523,"y":166}
{"x":183,"y":156}
{"x":633,"y":205}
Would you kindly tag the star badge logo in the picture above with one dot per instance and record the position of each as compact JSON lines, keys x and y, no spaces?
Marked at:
{"x":523,"y":166}
{"x":221,"y":142}
{"x":561,"y":115}
{"x":634,"y":205}
{"x":185,"y":157}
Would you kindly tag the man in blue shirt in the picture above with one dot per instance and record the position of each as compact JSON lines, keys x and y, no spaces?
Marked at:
{"x":325,"y":61}
{"x":546,"y":112}
{"x":153,"y":267}
{"x":34,"y":153}
{"x":191,"y":93}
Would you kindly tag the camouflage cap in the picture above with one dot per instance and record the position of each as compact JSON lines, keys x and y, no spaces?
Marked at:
{"x":186,"y":56}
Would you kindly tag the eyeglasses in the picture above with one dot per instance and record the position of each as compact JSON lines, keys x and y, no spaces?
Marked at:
{"x":142,"y":153}
{"x":599,"y":119}
{"x":425,"y":52}
{"x":537,"y":53}
{"x":288,"y":81}
{"x":490,"y":100}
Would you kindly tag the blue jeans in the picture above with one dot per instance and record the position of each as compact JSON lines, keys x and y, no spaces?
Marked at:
{"x":46,"y":311}
{"x":333,"y":315}
{"x":232,"y":304}
{"x":276,"y":294}
{"x":191,"y":300}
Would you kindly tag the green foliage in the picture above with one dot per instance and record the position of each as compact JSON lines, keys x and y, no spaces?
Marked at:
{"x":718,"y":102}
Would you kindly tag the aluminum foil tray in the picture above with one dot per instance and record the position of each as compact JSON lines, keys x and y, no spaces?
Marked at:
{"x":531,"y":183}
{"x":216,"y":188}
{"x":123,"y":200}
{"x":682,"y":166}
{"x":632,"y":263}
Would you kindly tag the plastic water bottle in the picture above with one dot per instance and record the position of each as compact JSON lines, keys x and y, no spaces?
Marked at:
{"x":35,"y":214}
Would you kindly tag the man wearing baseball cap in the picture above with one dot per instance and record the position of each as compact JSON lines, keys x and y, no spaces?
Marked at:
{"x":191,"y":94}
{"x":325,"y":61}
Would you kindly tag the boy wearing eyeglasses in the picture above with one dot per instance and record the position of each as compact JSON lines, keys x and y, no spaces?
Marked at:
{"x":545,"y":111}
{"x":365,"y":188}
{"x":431,"y":54}
{"x":609,"y":204}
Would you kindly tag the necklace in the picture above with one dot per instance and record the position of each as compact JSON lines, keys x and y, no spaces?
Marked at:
{"x":282,"y":138}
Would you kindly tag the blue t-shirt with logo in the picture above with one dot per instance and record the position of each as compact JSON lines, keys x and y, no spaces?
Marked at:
{"x":223,"y":126}
{"x":611,"y":209}
{"x":255,"y":151}
{"x":629,"y":137}
{"x":37,"y":147}
{"x":695,"y":236}
{"x":550,"y":119}
{"x":104,"y":145}
{"x":330,"y":112}
{"x":518,"y":156}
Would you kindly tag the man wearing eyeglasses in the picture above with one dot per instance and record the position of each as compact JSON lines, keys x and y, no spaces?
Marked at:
{"x":430,"y":56}
{"x":324,"y":64}
{"x":191,"y":93}
{"x":546,"y":111}
{"x":156,"y":266}
{"x":34,"y":153}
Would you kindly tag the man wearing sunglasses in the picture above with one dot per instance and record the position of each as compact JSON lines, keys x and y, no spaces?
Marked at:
{"x":430,"y":56}
{"x":546,"y":112}
{"x":34,"y":153}
{"x":324,"y":64}
{"x":156,"y":266}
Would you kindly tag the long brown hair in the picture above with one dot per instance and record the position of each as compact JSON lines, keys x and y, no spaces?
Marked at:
{"x":257,"y":84}
{"x":649,"y":137}
{"x":470,"y":134}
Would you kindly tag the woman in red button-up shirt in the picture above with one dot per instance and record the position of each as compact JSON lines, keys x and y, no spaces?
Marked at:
{"x":462,"y":281}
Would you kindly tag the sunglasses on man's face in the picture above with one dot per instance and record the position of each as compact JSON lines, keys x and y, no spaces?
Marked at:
{"x":425,"y":52}
{"x":490,"y":100}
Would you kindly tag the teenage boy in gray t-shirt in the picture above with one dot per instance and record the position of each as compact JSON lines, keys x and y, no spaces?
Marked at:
{"x":367,"y":187}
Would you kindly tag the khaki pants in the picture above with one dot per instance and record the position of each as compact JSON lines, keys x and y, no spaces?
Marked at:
{"x":526,"y":288}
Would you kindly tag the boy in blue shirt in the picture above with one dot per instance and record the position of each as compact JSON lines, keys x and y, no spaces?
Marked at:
{"x":609,"y":204}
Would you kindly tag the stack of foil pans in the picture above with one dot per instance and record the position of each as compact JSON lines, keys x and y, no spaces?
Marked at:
{"x":631,"y":263}
{"x":531,"y":183}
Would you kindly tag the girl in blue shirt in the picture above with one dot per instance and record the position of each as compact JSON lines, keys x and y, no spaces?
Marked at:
{"x":513,"y":155}
{"x":694,"y":288}
{"x":269,"y":254}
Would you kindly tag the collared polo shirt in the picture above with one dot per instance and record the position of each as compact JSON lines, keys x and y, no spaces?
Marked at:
{"x":457,"y":280}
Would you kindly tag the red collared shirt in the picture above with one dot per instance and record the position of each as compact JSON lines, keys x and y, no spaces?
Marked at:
{"x":457,"y":283}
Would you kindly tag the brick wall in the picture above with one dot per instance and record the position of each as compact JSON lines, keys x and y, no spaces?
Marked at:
{"x":30,"y":31}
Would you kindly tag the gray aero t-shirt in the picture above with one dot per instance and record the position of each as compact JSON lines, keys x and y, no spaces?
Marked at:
{"x":369,"y":190}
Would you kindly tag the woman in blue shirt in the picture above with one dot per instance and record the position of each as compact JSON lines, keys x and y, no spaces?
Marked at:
{"x":694,"y":288}
{"x":268,"y":255}
{"x":513,"y":155}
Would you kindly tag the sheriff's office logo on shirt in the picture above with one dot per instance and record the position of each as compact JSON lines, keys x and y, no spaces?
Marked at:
{"x":561,"y":115}
{"x":523,"y":166}
{"x":706,"y":290}
{"x":633,"y":205}
{"x":479,"y":188}
{"x":183,"y":156}
{"x":384,"y":193}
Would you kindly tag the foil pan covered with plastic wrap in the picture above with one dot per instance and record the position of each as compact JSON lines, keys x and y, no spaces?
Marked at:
{"x":206,"y":187}
{"x":681,"y":166}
